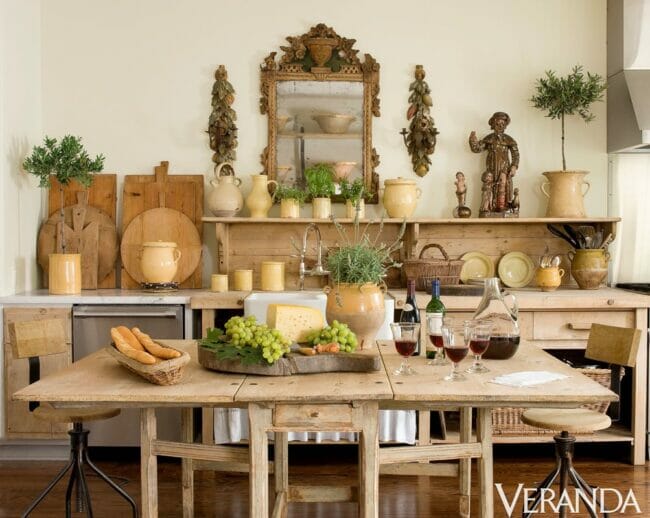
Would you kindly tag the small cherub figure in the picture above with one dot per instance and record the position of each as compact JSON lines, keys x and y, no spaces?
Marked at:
{"x":461,"y":188}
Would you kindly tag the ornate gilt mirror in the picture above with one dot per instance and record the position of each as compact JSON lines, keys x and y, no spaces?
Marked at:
{"x":320,"y":99}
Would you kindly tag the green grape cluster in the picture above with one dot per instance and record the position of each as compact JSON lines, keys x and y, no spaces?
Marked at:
{"x":337,"y":332}
{"x":246,"y":332}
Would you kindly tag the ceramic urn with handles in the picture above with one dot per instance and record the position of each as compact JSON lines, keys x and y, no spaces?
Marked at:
{"x":225,"y":199}
{"x":400,"y":197}
{"x":159,"y":261}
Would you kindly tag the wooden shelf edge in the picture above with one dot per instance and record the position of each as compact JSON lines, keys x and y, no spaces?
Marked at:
{"x":422,"y":221}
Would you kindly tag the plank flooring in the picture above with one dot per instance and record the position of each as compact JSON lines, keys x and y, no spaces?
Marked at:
{"x":225,"y":495}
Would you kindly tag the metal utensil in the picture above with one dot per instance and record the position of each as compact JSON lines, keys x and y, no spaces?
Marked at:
{"x":598,"y":239}
{"x":607,"y":241}
{"x":558,"y":233}
{"x":575,"y":235}
{"x":555,"y":262}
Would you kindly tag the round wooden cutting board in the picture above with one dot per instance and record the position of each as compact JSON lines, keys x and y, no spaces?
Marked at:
{"x":161,"y":225}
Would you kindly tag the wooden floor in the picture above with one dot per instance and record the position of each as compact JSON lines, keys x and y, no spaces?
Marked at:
{"x":226,"y":495}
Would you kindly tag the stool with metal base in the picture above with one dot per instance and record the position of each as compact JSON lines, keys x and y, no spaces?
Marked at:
{"x":78,"y":458}
{"x":613,"y":345}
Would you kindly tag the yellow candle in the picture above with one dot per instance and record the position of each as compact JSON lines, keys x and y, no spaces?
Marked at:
{"x":243,"y":280}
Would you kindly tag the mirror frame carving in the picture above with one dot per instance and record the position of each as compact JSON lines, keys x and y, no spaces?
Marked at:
{"x":296,"y":64}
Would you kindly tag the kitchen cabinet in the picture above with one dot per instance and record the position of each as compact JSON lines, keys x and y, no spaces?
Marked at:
{"x":19,"y":421}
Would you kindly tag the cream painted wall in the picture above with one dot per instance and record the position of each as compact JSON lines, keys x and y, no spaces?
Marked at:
{"x":20,"y":127}
{"x":134,"y":79}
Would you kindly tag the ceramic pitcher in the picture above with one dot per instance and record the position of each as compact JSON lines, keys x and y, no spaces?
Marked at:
{"x":159,"y":261}
{"x":226,"y":199}
{"x":565,"y":191}
{"x":259,"y":201}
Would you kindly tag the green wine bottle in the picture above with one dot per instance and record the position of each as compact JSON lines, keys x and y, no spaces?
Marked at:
{"x":435,"y":312}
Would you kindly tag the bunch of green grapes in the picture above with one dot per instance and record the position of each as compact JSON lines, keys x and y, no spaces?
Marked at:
{"x":246,"y":332}
{"x":337,"y":332}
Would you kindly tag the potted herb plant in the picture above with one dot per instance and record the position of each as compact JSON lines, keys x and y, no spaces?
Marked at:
{"x":357,"y":270}
{"x":291,"y":198}
{"x":559,"y":97}
{"x":320,"y":186}
{"x":354,"y":193}
{"x":66,"y":160}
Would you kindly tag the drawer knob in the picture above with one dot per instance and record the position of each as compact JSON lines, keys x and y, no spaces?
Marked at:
{"x":579,"y":326}
{"x":610,"y":302}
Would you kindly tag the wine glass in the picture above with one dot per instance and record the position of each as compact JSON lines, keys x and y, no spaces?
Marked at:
{"x":479,"y":341}
{"x":455,"y":339}
{"x":405,"y":335}
{"x":434,"y":330}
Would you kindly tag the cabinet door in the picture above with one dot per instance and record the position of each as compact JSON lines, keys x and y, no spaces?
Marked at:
{"x":20,"y":422}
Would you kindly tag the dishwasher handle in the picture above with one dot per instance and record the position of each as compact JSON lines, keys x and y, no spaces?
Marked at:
{"x":94,"y":314}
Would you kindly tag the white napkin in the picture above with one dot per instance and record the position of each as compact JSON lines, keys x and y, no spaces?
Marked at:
{"x":528,"y":378}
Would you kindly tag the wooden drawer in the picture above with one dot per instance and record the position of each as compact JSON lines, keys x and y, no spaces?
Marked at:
{"x":575,"y":325}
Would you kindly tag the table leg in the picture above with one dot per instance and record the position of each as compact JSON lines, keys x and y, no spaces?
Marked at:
{"x":485,"y":480}
{"x":281,"y":465}
{"x":259,"y":421}
{"x":465,"y":464}
{"x":187,"y":435}
{"x":369,"y":461}
{"x":148,"y":463}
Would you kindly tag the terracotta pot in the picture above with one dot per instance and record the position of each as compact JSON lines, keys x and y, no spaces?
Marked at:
{"x":64,"y":276}
{"x":548,"y":279}
{"x":159,"y":261}
{"x":351,"y":209}
{"x":289,"y":209}
{"x":400,"y":197}
{"x":225,"y":199}
{"x":259,"y":200}
{"x":564,"y":190}
{"x":589,"y":267}
{"x":321,"y":208}
{"x":360,"y":306}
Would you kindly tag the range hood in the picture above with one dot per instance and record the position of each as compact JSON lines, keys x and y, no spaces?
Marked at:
{"x":628,"y":76}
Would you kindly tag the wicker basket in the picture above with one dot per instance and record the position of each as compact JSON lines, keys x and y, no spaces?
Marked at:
{"x":426,"y":270}
{"x":507,"y":420}
{"x":165,"y":372}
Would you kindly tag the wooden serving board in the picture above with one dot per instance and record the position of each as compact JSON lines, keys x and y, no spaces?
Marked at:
{"x":181,"y":192}
{"x":294,"y":363}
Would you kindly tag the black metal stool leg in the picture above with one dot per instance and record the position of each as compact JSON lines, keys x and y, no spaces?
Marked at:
{"x":581,"y":493}
{"x":546,"y":483}
{"x":49,"y":488}
{"x":81,"y":484}
{"x":117,"y":488}
{"x":68,"y":492}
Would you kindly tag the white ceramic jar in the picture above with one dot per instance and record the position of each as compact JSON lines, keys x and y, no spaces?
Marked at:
{"x":159,"y":261}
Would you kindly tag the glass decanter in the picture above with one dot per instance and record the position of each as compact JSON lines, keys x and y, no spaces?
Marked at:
{"x":504,"y":340}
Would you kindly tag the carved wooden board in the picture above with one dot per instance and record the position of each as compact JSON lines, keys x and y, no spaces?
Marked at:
{"x":295,"y":364}
{"x":183,"y":193}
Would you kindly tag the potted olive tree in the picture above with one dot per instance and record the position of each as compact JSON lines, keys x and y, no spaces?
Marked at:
{"x":357,"y":270}
{"x":559,"y":97}
{"x":291,"y":199}
{"x":354,"y":193}
{"x":66,"y":160}
{"x":320,"y":186}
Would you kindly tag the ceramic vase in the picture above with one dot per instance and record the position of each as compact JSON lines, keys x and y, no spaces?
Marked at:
{"x":64,"y":274}
{"x":225,"y":199}
{"x":259,"y":200}
{"x":565,"y":191}
{"x":321,"y":208}
{"x":589,"y":267}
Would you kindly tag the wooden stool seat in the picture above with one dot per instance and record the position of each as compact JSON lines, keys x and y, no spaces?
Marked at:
{"x":47,"y":412}
{"x":572,"y":420}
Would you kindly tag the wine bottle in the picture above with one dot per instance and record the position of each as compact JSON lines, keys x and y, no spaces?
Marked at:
{"x":410,"y":312}
{"x":435,"y":312}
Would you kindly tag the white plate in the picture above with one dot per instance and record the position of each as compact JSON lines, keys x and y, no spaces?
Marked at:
{"x":477,"y":265}
{"x":516,"y":270}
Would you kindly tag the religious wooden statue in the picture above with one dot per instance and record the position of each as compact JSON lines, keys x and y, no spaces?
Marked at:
{"x":501,"y":164}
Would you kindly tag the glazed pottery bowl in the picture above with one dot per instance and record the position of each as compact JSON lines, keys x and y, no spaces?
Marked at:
{"x":334,"y":122}
{"x":342,"y":170}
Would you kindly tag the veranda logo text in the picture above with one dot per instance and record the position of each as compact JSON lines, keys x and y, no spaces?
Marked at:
{"x":573,"y":500}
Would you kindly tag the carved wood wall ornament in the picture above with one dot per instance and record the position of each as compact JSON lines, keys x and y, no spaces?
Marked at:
{"x":221,"y":124}
{"x":321,"y":55}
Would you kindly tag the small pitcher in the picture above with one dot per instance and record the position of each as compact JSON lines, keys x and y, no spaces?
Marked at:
{"x":259,"y":201}
{"x":159,"y":261}
{"x":548,"y":279}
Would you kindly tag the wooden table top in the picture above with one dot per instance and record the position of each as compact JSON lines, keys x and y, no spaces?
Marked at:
{"x":428,"y":385}
{"x":100,"y":380}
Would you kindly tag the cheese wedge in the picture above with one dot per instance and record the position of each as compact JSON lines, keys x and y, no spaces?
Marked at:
{"x":294,"y":322}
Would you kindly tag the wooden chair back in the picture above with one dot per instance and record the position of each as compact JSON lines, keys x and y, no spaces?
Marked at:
{"x":37,"y":338}
{"x":613,"y":345}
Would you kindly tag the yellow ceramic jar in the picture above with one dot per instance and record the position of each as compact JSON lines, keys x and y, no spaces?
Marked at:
{"x":289,"y":208}
{"x":259,"y":200}
{"x":548,"y":279}
{"x":589,"y":267}
{"x":159,"y":261}
{"x":321,"y":208}
{"x":400,"y":197}
{"x":243,"y":280}
{"x":64,"y":274}
{"x":272,"y":276}
{"x":219,"y":282}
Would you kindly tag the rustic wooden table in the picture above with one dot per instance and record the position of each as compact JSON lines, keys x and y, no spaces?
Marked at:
{"x":332,"y":401}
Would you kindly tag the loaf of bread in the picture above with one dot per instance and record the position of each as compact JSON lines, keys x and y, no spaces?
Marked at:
{"x":125,"y":348}
{"x":158,"y":350}
{"x":130,"y":338}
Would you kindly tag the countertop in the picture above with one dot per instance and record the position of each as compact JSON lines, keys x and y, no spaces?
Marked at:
{"x":105,"y":296}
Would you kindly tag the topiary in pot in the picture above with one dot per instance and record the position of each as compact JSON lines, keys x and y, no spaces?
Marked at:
{"x":66,"y":161}
{"x":320,"y":186}
{"x":291,"y":199}
{"x":559,"y":97}
{"x":355,"y":194}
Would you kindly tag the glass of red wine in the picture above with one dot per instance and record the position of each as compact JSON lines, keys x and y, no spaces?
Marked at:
{"x":405,"y":335}
{"x":455,"y":339}
{"x":479,"y":341}
{"x":434,"y":330}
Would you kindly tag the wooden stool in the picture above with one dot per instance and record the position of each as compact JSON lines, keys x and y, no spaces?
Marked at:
{"x":613,"y":345}
{"x":34,"y":339}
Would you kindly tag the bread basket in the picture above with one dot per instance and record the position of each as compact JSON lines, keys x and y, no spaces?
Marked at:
{"x":425,"y":270}
{"x":164,"y":372}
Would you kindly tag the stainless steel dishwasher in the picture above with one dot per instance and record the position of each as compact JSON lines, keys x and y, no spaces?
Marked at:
{"x":91,"y":325}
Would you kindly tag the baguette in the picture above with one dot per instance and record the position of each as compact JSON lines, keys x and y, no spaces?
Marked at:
{"x":124,"y":347}
{"x":158,"y":350}
{"x":130,"y":338}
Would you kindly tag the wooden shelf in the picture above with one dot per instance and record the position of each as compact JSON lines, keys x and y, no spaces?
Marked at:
{"x":321,"y":136}
{"x":421,"y":221}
